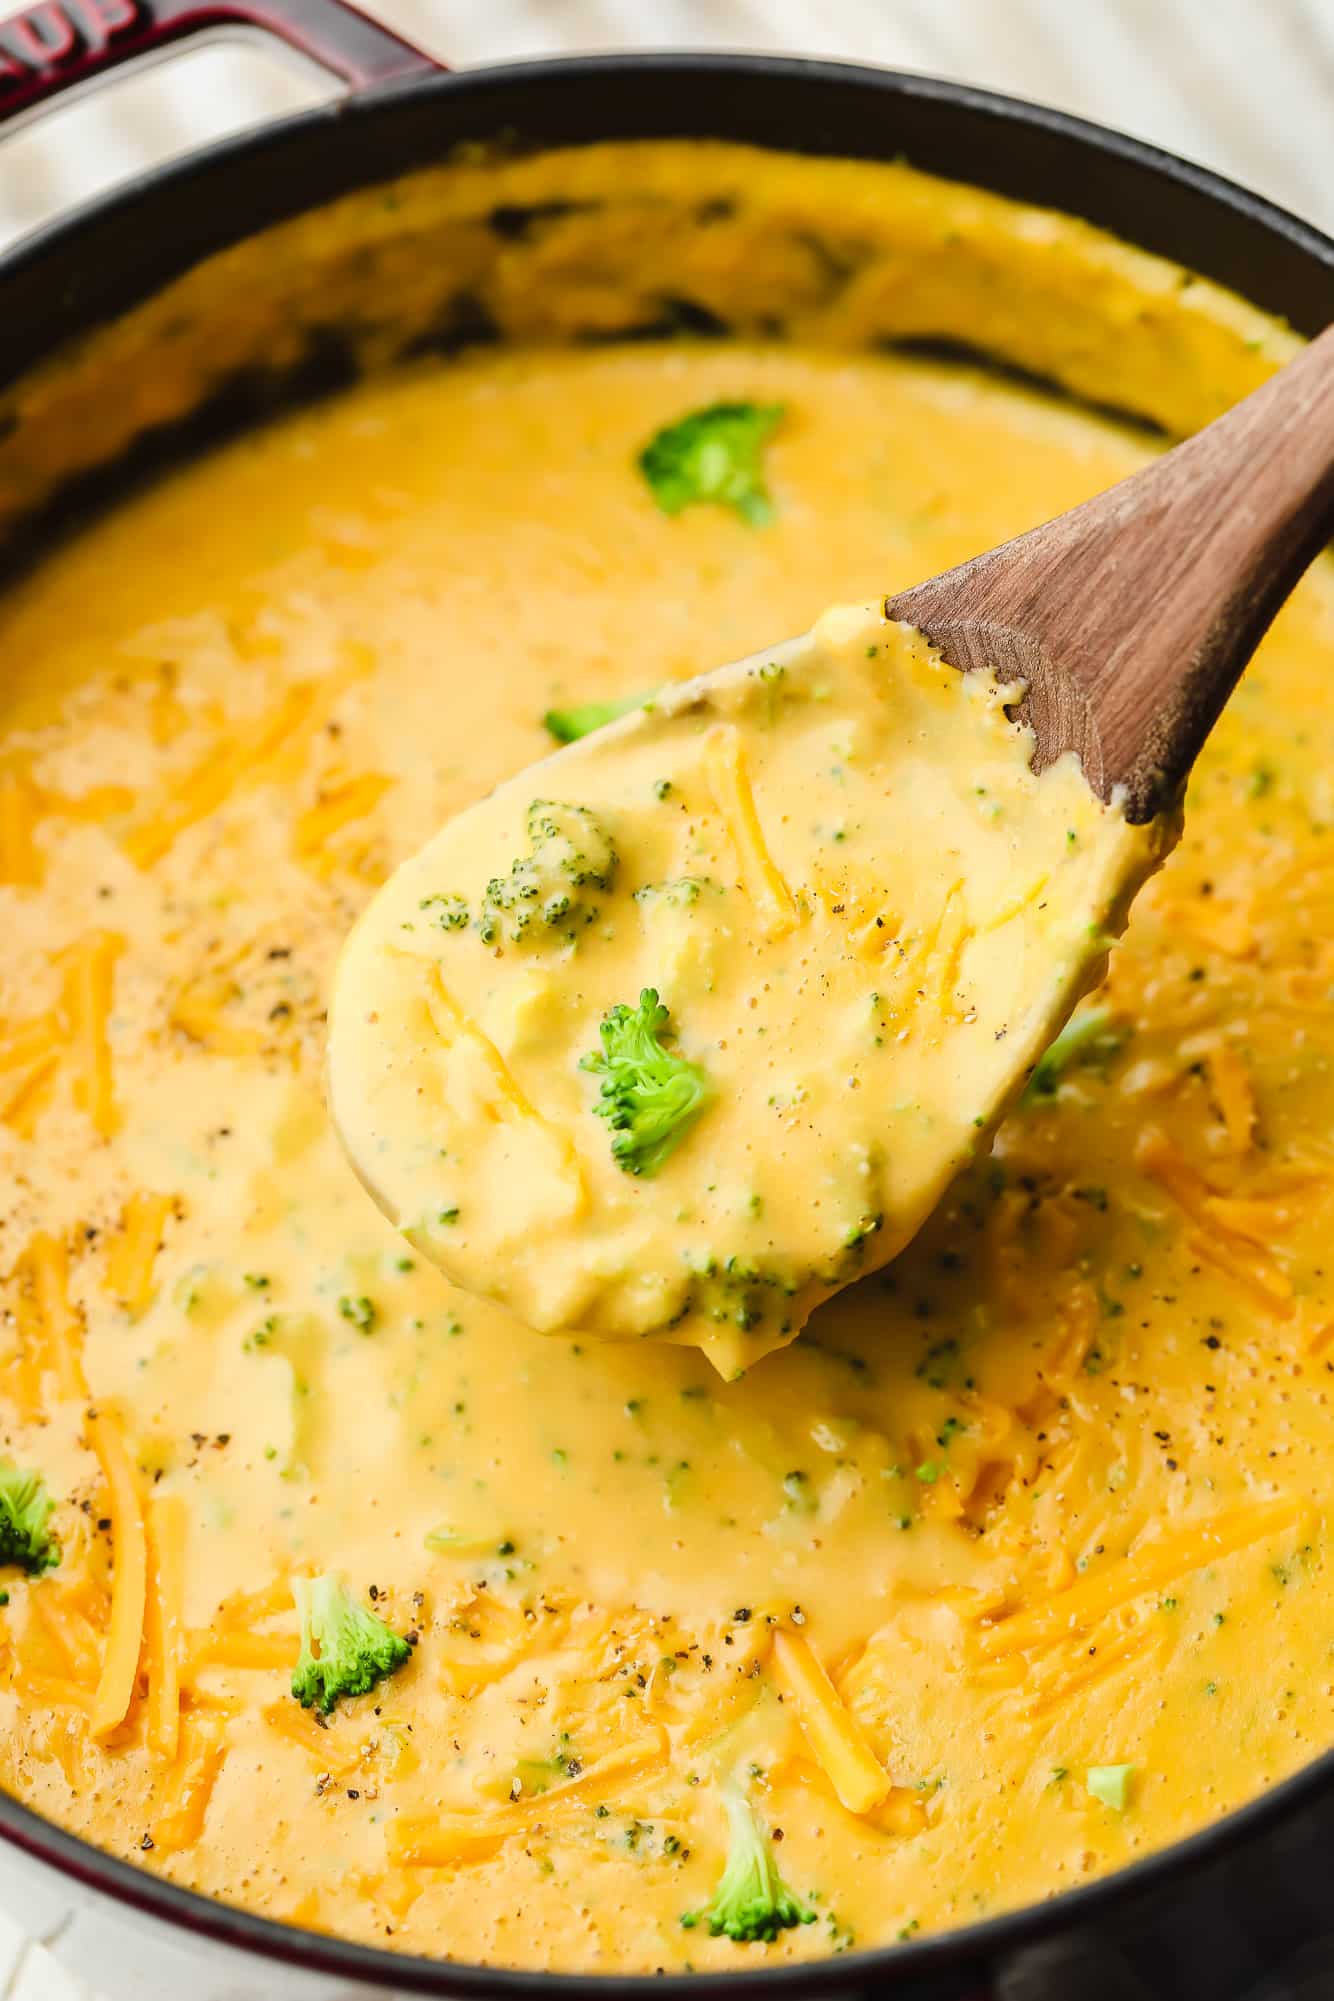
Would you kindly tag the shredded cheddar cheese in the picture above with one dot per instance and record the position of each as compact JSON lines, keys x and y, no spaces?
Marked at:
{"x":180,"y":1821}
{"x":85,"y":1010}
{"x":338,"y":807}
{"x":734,"y":797}
{"x":166,"y":1527}
{"x":834,"y":1734}
{"x":134,"y":1250}
{"x":20,"y":812}
{"x":124,"y":1640}
{"x":50,"y":1331}
{"x":1157,"y":1563}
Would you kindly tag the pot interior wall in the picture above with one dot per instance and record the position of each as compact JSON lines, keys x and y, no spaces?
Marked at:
{"x":616,"y":242}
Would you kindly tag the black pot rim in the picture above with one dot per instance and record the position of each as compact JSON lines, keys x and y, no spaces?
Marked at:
{"x":965,"y":1952}
{"x":1107,"y":140}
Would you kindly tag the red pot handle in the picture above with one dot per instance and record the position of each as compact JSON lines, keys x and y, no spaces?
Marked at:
{"x":57,"y":45}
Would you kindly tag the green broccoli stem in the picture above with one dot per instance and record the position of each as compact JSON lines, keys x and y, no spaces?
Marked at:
{"x":568,"y":725}
{"x":1090,"y":1039}
{"x":752,"y":1902}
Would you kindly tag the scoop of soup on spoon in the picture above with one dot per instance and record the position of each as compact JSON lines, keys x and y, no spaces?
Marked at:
{"x":692,"y":1023}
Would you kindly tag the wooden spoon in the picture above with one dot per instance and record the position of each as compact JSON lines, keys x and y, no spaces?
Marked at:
{"x":1130,"y":618}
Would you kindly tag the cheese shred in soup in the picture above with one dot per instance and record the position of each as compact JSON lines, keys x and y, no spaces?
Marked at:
{"x":1012,"y":1568}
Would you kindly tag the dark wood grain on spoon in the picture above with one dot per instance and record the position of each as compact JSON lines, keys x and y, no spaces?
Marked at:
{"x":1131,"y":618}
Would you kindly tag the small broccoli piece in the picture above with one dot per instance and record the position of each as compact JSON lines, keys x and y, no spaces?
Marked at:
{"x":1110,"y":1784}
{"x":547,"y":894}
{"x":752,"y":1901}
{"x":25,"y":1510}
{"x":568,"y":725}
{"x":355,"y":1649}
{"x":734,"y":1291}
{"x":678,"y":891}
{"x":650,"y":1097}
{"x":448,"y":911}
{"x":1088,"y":1041}
{"x":714,"y":454}
{"x":362,"y":1312}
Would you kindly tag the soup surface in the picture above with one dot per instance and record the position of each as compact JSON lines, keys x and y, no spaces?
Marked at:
{"x":1012,"y":1568}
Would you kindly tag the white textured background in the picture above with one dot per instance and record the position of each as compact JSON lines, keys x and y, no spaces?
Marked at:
{"x":1246,"y":86}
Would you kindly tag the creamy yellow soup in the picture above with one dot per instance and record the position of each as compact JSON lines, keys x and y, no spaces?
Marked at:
{"x":1013,"y":1567}
{"x":871,"y":917}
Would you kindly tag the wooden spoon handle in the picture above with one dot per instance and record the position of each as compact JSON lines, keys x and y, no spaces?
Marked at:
{"x":1130,"y":618}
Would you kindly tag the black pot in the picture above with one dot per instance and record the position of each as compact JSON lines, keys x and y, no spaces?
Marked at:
{"x":1240,"y":1912}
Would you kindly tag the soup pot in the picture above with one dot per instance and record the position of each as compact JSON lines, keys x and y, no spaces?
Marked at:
{"x":1241,"y":1909}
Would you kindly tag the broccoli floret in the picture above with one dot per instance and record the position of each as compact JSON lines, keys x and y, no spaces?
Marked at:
{"x":25,"y":1510}
{"x":650,"y":1097}
{"x":714,"y":454}
{"x":568,"y":725}
{"x":356,"y":1650}
{"x":1090,"y":1041}
{"x":752,"y":1901}
{"x":548,"y":894}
